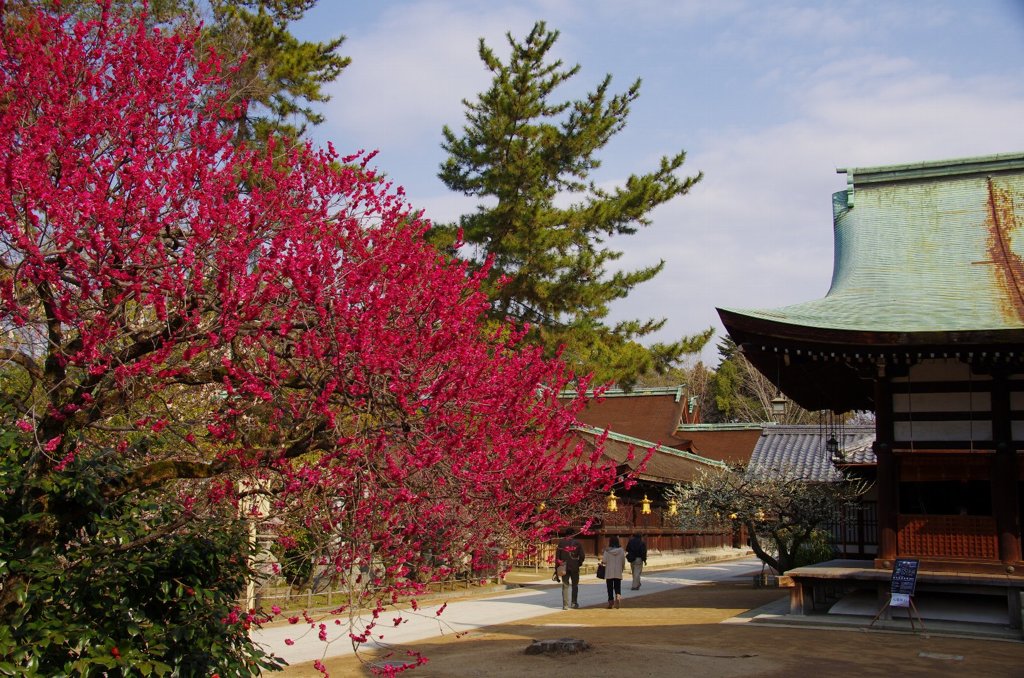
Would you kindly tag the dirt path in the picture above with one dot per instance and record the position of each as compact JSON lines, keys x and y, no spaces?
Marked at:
{"x":679,"y":633}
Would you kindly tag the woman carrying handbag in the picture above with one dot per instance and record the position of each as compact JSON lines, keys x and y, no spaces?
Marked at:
{"x":614,"y":561}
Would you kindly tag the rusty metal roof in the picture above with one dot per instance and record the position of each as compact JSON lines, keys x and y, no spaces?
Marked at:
{"x":929,"y":262}
{"x":926,"y":248}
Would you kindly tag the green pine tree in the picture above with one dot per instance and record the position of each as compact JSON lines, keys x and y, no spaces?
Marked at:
{"x":524,"y":152}
{"x":281,"y":75}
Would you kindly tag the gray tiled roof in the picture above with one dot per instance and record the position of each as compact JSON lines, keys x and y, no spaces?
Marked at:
{"x":802,"y":450}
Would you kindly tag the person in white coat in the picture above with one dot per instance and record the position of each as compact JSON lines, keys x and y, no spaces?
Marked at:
{"x":614,"y":559}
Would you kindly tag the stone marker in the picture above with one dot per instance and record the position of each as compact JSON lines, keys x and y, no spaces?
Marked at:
{"x":557,"y":646}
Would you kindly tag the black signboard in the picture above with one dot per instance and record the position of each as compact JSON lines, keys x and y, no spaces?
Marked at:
{"x":904,"y":576}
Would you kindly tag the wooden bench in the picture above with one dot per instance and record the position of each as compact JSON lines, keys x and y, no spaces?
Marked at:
{"x":802,"y":582}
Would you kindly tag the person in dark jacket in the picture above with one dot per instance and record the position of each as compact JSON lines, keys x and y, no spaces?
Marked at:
{"x":636,"y":555}
{"x":570,"y":554}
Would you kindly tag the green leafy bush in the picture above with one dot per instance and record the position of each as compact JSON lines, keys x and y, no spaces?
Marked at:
{"x":142,"y":595}
{"x":817,"y":549}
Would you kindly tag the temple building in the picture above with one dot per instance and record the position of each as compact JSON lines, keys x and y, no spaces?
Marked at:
{"x":643,"y":424}
{"x":924,"y":326}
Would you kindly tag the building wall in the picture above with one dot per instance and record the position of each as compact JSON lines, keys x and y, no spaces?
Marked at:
{"x":943,"y":401}
{"x":954,"y":492}
{"x":731,"y":444}
{"x":652,"y":417}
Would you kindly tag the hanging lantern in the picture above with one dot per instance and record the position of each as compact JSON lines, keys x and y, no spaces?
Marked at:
{"x":759,"y":515}
{"x":673,"y":508}
{"x":779,"y":404}
{"x":834,"y":453}
{"x":645,"y":505}
{"x":541,"y":506}
{"x":613,"y":502}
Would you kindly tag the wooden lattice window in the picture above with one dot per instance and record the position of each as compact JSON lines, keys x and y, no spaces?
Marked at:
{"x":968,"y":537}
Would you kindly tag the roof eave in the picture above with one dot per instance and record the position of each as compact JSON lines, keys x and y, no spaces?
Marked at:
{"x":866,"y":339}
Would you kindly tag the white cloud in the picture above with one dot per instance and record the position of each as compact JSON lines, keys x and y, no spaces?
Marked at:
{"x":803,"y":88}
{"x":412,"y":68}
{"x":757,"y":232}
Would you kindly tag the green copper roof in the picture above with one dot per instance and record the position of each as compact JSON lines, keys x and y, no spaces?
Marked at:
{"x":643,"y":445}
{"x":674,"y":391}
{"x":925,"y":248}
{"x":730,"y":426}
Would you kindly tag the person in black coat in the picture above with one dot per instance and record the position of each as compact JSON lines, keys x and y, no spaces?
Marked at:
{"x":570,"y":554}
{"x":636,"y":556}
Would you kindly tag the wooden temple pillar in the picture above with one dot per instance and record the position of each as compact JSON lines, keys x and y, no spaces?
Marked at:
{"x":1004,"y":472}
{"x":888,"y":472}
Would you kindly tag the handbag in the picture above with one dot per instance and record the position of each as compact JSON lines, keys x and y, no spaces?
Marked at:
{"x":560,"y":571}
{"x":600,"y":570}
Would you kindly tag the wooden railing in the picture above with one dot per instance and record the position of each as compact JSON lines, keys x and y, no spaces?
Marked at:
{"x":329,"y":597}
{"x":542,"y":557}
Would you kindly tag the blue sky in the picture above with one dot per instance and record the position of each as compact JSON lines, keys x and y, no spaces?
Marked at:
{"x":767,"y":98}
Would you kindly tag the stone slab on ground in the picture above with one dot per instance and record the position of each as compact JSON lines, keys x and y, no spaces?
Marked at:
{"x":557,"y":646}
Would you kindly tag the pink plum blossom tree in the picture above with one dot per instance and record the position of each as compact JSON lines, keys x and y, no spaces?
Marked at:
{"x":198,"y":335}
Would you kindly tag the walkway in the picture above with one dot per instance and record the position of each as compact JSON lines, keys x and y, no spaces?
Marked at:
{"x":538,"y":598}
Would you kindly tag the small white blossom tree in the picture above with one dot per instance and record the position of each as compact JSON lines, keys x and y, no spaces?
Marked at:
{"x":781,"y":511}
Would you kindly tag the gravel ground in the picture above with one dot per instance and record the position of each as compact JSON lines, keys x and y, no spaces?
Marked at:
{"x":680,"y":632}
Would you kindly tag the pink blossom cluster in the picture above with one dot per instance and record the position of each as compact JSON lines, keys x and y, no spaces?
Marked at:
{"x":263,"y":327}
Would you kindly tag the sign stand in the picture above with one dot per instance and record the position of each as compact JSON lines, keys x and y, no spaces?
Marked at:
{"x":901,"y":591}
